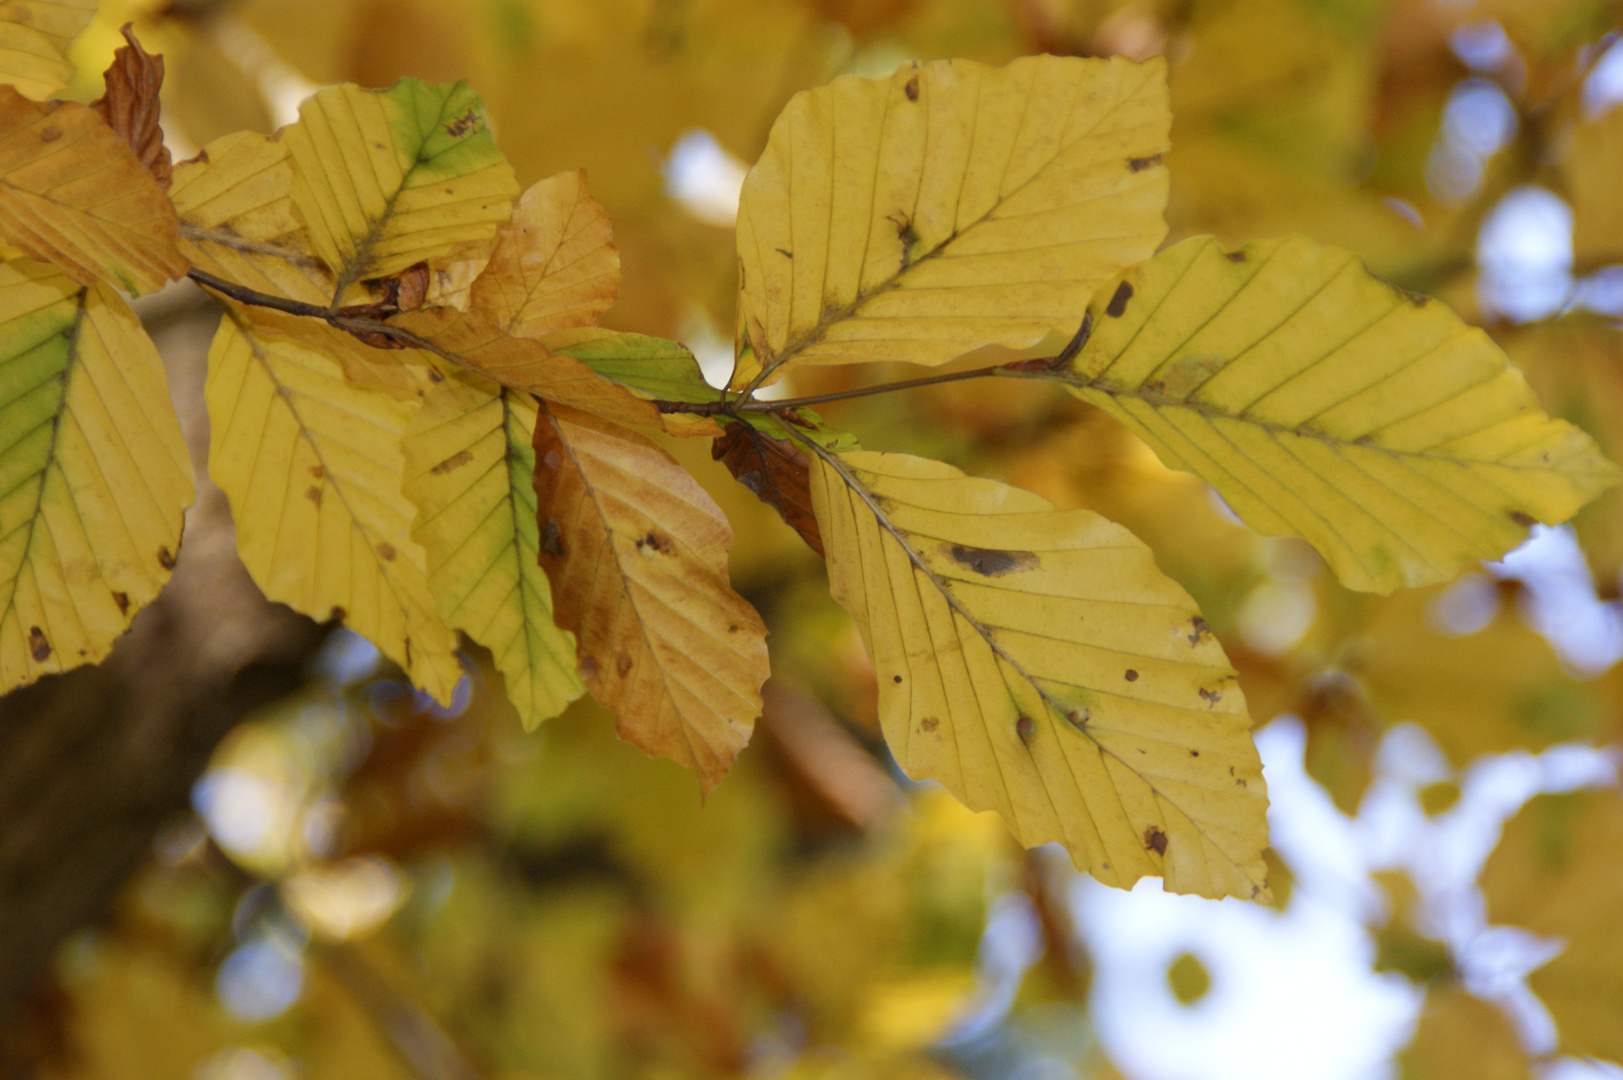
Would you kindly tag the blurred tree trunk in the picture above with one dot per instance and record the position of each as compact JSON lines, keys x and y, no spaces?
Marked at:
{"x":93,"y":762}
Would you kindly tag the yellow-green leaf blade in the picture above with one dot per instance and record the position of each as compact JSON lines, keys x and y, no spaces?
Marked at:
{"x":1037,"y":663}
{"x":637,"y":555}
{"x":238,"y":221}
{"x":34,"y":38}
{"x":95,"y":473}
{"x":72,"y":193}
{"x":389,"y":178}
{"x":1322,"y":402}
{"x":950,"y":206}
{"x":312,"y":467}
{"x":469,"y":470}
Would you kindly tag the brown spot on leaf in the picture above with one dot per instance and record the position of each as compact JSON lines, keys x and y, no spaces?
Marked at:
{"x":38,"y":647}
{"x":1524,"y":520}
{"x":455,"y":461}
{"x":912,"y":90}
{"x":122,"y":599}
{"x":1240,"y":781}
{"x":1132,"y":676}
{"x":1155,"y":840}
{"x":1025,"y":727}
{"x":552,"y":459}
{"x":929,"y":723}
{"x":337,"y":614}
{"x":784,"y":253}
{"x":1198,"y":630}
{"x":733,"y":629}
{"x":1078,"y":718}
{"x":462,"y":124}
{"x":313,"y":493}
{"x":990,"y":562}
{"x":1139,"y":164}
{"x":318,"y":472}
{"x":165,"y":559}
{"x":657,"y":542}
{"x":1234,"y":256}
{"x":622,"y":664}
{"x":587,"y":668}
{"x":386,"y":552}
{"x":1118,"y":301}
{"x":897,"y":679}
{"x":50,"y":133}
{"x":551,"y":538}
{"x":1211,"y":697}
{"x":1194,"y":753}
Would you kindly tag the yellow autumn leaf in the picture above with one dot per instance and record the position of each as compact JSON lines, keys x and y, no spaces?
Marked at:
{"x":469,"y":470}
{"x":1590,"y":169}
{"x":389,"y":178}
{"x":1556,"y":873}
{"x":34,"y":37}
{"x":951,"y":206}
{"x":312,"y":467}
{"x":555,"y":266}
{"x":1037,"y":663}
{"x":637,"y":555}
{"x":95,"y":470}
{"x":74,"y":194}
{"x":238,"y":221}
{"x":1319,"y":401}
{"x":1461,"y":1035}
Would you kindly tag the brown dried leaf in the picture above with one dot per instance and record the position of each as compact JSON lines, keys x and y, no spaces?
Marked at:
{"x":72,"y":193}
{"x":131,"y":107}
{"x":637,"y":555}
{"x":776,"y":471}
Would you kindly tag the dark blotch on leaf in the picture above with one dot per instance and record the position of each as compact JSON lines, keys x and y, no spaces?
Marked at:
{"x":1025,"y":727}
{"x":1211,"y":697}
{"x":166,"y":560}
{"x":622,"y":664}
{"x":38,"y":647}
{"x":1234,"y":256}
{"x":1524,"y":520}
{"x":461,"y":125}
{"x":1132,"y":676}
{"x":896,"y":679}
{"x":1118,"y":301}
{"x":337,"y":614}
{"x":386,"y":552}
{"x":455,"y":461}
{"x":929,"y":723}
{"x":990,"y":562}
{"x":912,"y":91}
{"x":313,"y":493}
{"x":1198,"y":630}
{"x":122,"y":599}
{"x":785,"y":254}
{"x":1155,"y":840}
{"x":551,"y":538}
{"x":1078,"y":719}
{"x":658,"y":541}
{"x":1139,"y":164}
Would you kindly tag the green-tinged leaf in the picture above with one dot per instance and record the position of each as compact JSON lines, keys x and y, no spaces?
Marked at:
{"x":950,"y":206}
{"x":312,"y":467}
{"x":637,"y":555}
{"x":469,"y":470}
{"x":94,"y":469}
{"x":1556,"y":873}
{"x":238,"y":221}
{"x":73,"y":193}
{"x":385,"y":179}
{"x":653,"y":367}
{"x":1322,"y":402}
{"x":1038,"y":664}
{"x":34,"y":37}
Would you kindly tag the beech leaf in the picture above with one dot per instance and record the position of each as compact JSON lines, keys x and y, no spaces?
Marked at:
{"x":34,"y":39}
{"x":131,"y":107}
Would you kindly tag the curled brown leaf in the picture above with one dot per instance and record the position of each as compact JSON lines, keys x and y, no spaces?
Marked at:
{"x":131,"y":107}
{"x":776,"y":471}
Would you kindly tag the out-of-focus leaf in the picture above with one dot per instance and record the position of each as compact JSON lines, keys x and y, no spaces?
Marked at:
{"x":948,"y":207}
{"x":469,"y":469}
{"x":74,"y":194}
{"x":1556,"y":872}
{"x":1321,"y":402}
{"x":1188,"y":979}
{"x":1037,"y":663}
{"x":313,"y":468}
{"x":1597,"y":208}
{"x":130,"y":107}
{"x":637,"y":555}
{"x":1460,"y":1035}
{"x":34,"y":37}
{"x":386,"y":179}
{"x":97,"y":475}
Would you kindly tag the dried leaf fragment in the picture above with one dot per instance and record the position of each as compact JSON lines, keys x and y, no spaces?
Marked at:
{"x":776,"y":471}
{"x":131,"y":106}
